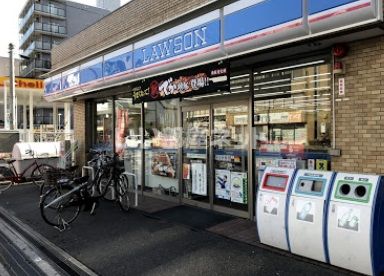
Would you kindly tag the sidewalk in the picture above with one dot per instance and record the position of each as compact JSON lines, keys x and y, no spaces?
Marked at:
{"x":161,"y":242}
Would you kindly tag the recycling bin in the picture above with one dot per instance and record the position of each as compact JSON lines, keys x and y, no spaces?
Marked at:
{"x":272,"y":205}
{"x":306,"y":215}
{"x":356,"y":223}
{"x":44,"y":152}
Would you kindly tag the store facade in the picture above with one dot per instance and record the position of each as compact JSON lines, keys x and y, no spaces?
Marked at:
{"x":198,"y":108}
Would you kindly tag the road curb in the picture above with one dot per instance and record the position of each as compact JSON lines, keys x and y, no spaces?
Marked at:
{"x":30,"y":252}
{"x":64,"y":260}
{"x":3,"y":271}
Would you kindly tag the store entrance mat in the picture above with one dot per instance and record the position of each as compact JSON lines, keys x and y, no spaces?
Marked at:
{"x":192,"y":216}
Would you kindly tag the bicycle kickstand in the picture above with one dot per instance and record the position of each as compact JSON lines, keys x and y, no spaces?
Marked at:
{"x":63,"y":226}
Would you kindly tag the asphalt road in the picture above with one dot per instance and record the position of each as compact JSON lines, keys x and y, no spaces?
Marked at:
{"x":117,"y":243}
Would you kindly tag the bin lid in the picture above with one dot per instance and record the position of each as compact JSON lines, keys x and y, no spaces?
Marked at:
{"x":276,"y":179}
{"x":355,"y":188}
{"x":311,"y":183}
{"x":22,"y":151}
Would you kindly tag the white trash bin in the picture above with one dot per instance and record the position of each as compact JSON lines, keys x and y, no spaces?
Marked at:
{"x":43,"y":152}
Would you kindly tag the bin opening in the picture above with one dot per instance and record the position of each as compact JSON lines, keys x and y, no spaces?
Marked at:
{"x":275,"y":182}
{"x":360,"y":191}
{"x":345,"y":189}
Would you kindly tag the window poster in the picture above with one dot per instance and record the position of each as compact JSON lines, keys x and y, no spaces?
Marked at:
{"x":239,"y":187}
{"x":199,"y":178}
{"x":222,"y":184}
{"x":186,"y":171}
{"x":164,"y":164}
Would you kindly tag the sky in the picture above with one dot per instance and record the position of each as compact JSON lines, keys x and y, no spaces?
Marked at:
{"x":9,"y":22}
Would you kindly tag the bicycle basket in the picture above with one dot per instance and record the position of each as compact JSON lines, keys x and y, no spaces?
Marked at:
{"x":53,"y":176}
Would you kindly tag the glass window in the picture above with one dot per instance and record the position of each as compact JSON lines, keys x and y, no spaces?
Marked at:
{"x":162,"y":140}
{"x":292,"y":115}
{"x":128,"y":135}
{"x":104,"y":125}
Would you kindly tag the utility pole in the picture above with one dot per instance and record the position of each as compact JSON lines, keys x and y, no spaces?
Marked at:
{"x":12,"y":102}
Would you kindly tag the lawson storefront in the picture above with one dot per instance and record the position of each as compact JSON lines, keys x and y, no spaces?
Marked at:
{"x":199,"y":109}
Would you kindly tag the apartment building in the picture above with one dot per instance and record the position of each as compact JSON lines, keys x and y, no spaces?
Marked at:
{"x":45,"y":23}
{"x":110,"y":5}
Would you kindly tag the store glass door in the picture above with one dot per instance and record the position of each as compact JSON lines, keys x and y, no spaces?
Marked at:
{"x":230,"y":144}
{"x":215,"y":156}
{"x":196,"y":131}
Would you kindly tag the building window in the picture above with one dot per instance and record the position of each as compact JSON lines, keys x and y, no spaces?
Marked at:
{"x":292,"y":115}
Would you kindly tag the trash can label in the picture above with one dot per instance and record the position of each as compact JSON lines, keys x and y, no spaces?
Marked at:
{"x":271,"y":204}
{"x":305,"y":210}
{"x":348,"y":218}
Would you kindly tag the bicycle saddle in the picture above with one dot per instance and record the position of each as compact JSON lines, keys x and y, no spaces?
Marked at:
{"x":10,"y":161}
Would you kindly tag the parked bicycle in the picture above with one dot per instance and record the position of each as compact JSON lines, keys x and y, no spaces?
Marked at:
{"x":114,"y":183}
{"x":61,"y":204}
{"x":32,"y":173}
{"x":99,"y":164}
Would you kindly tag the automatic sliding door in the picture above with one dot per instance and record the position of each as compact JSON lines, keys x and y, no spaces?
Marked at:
{"x":195,"y":180}
{"x":230,"y":156}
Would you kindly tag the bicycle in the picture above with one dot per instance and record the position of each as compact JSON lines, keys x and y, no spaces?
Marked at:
{"x":9,"y":175}
{"x":113,"y":184}
{"x":99,"y":164}
{"x":61,"y":204}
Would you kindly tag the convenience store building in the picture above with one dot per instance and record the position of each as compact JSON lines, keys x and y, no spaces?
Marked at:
{"x":199,"y":96}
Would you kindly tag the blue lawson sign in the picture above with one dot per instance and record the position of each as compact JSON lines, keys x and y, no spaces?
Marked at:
{"x":91,"y":73}
{"x":188,"y":41}
{"x":118,"y":64}
{"x":200,"y":41}
{"x":259,"y":16}
{"x":316,"y":6}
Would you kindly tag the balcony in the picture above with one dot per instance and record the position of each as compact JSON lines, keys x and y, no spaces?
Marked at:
{"x":28,"y":68}
{"x":43,"y":28}
{"x":45,"y":10}
{"x":38,"y":46}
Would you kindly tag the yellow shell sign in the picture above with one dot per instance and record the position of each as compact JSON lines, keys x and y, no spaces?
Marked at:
{"x":23,"y":83}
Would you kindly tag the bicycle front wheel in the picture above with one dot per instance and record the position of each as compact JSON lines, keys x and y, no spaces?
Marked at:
{"x":125,"y":193}
{"x":105,"y":185}
{"x":6,"y":179}
{"x":62,"y":212}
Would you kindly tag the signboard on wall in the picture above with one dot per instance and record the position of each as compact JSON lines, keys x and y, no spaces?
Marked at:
{"x":196,"y":81}
{"x":237,"y":28}
{"x":23,"y":83}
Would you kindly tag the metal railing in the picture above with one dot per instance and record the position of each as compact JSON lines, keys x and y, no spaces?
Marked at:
{"x":43,"y":27}
{"x":36,"y":64}
{"x":38,"y":45}
{"x":45,"y":136}
{"x":47,"y":9}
